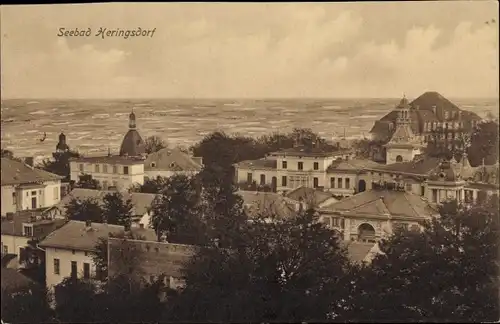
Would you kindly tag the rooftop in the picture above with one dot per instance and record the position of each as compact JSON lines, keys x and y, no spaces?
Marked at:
{"x":75,"y":235}
{"x":384,"y":203}
{"x":13,"y":279}
{"x":352,"y":165}
{"x":258,"y":164}
{"x":421,"y":166}
{"x":268,"y":202}
{"x":310,"y":151}
{"x":15,"y":172}
{"x":309,"y":195}
{"x":171,"y":160}
{"x":141,"y":201}
{"x":41,"y":227}
{"x":109,"y":159}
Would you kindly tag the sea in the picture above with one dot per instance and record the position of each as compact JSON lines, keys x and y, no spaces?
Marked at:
{"x":93,"y":126}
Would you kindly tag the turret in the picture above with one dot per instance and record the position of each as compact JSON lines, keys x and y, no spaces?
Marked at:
{"x":131,"y":121}
{"x":61,"y":145}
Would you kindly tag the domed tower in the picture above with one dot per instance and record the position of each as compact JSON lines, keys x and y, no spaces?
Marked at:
{"x":404,"y":145}
{"x":132,"y":144}
{"x":61,"y":146}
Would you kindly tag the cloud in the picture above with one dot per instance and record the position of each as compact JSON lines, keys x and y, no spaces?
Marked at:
{"x":254,"y":50}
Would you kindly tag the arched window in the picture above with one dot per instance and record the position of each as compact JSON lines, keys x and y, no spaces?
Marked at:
{"x":399,"y":158}
{"x":366,"y":233}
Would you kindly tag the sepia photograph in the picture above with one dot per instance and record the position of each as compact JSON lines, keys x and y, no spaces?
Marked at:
{"x":250,"y":162}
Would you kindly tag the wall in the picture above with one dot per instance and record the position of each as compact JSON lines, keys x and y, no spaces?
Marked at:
{"x":343,"y":190}
{"x":65,"y":257}
{"x":14,"y":243}
{"x":47,"y":195}
{"x":123,"y":181}
{"x":153,"y":174}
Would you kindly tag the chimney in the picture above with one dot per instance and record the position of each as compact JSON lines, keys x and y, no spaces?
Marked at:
{"x":29,"y":161}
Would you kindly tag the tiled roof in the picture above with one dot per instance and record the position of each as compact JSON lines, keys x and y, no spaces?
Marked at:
{"x":13,"y":279}
{"x":357,"y":251}
{"x":384,"y":202}
{"x":258,"y":164}
{"x":310,"y":151}
{"x":309,"y":195}
{"x":353,"y":164}
{"x":420,"y":167}
{"x":258,"y":203}
{"x":431,"y":98}
{"x":141,"y":201}
{"x":109,"y":159}
{"x":15,"y":172}
{"x":170,"y":160}
{"x":156,"y":257}
{"x":132,"y":144}
{"x":75,"y":235}
{"x":14,"y":227}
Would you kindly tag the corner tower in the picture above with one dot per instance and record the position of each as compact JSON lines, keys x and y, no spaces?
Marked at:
{"x":132,"y":144}
{"x":403,"y":145}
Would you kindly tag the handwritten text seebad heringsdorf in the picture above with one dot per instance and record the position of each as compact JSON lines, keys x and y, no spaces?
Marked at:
{"x":103,"y":32}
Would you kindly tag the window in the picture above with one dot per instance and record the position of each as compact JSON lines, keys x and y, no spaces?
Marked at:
{"x":446,"y":115}
{"x":283,"y":181}
{"x":434,"y":195}
{"x":104,"y":168}
{"x":315,"y":182}
{"x":125,"y":170}
{"x":33,"y":193}
{"x":56,"y":193}
{"x":73,"y":251}
{"x":80,"y":167}
{"x":316,"y":166}
{"x":34,"y":204}
{"x":74,"y":269}
{"x":28,"y":231}
{"x":347,"y":183}
{"x":422,"y":191}
{"x":339,"y":183}
{"x":14,"y":200}
{"x":300,"y":165}
{"x":332,"y":182}
{"x":86,"y":270}
{"x":153,"y":164}
{"x":86,"y":253}
{"x":115,"y":169}
{"x":249,"y":178}
{"x":408,"y":187}
{"x":262,"y":179}
{"x":5,"y":249}
{"x":97,"y":169}
{"x":284,"y":164}
{"x":57,"y":269}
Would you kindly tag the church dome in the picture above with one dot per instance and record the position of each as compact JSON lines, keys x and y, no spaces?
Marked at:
{"x":132,"y":144}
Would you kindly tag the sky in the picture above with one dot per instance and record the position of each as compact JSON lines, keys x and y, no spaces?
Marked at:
{"x":252,"y":50}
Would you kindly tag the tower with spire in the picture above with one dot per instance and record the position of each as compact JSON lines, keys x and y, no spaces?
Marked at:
{"x":403,"y":145}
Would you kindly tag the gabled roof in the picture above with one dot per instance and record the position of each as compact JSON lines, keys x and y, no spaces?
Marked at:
{"x":357,"y":251}
{"x":263,"y":163}
{"x":258,"y":203}
{"x":384,"y":203}
{"x":432,"y":98}
{"x":309,"y":195}
{"x":421,"y":166}
{"x":141,"y":201}
{"x":109,"y":159}
{"x":171,"y":160}
{"x":353,"y":165}
{"x":75,"y":235}
{"x":12,"y":279}
{"x":15,"y":172}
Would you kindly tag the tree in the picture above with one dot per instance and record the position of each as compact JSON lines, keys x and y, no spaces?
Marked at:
{"x":154,"y":144}
{"x":176,"y":211}
{"x":82,"y":210}
{"x":87,"y":182}
{"x":116,"y":210}
{"x":77,"y":300}
{"x":7,"y":154}
{"x":448,"y":272}
{"x":60,"y":163}
{"x":484,"y":144}
{"x":288,"y":271}
{"x":28,"y":304}
{"x":154,"y":186}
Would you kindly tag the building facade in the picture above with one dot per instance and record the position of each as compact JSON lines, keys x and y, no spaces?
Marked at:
{"x":25,"y":187}
{"x":167,"y":162}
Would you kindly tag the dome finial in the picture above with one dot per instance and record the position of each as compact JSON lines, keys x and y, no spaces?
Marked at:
{"x":131,"y":120}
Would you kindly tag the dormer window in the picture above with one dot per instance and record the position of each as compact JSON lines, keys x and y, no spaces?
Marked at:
{"x":153,"y":164}
{"x":172,"y":164}
{"x":28,"y":231}
{"x":442,"y":175}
